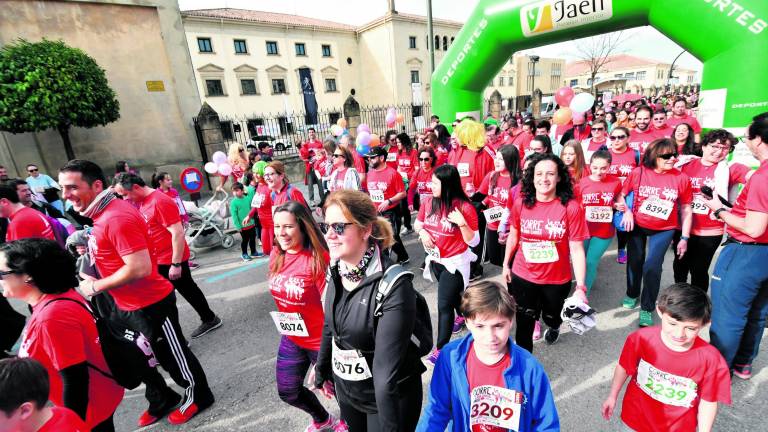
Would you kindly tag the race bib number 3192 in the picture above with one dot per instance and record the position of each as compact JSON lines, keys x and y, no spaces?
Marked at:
{"x":495,"y":406}
{"x":665,"y":387}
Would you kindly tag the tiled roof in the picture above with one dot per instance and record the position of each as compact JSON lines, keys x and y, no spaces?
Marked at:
{"x":267,"y":17}
{"x":617,"y":62}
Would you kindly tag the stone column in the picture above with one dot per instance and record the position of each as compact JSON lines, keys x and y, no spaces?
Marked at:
{"x":352,"y":114}
{"x":209,"y":135}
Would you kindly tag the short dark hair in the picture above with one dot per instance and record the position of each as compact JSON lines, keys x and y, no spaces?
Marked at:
{"x":721,"y":135}
{"x":434,"y":117}
{"x":238,"y":186}
{"x":264,"y":144}
{"x":51,"y":268}
{"x":22,"y":380}
{"x":87,"y":169}
{"x":759,"y":127}
{"x":31,"y":164}
{"x":602,"y":154}
{"x":487,"y":298}
{"x":544,"y":124}
{"x":14,"y":183}
{"x":680,"y":99}
{"x":531,"y":123}
{"x":311,"y":129}
{"x":654,"y":150}
{"x":685,"y":302}
{"x":644,"y":108}
{"x":9,"y":192}
{"x":126,"y":180}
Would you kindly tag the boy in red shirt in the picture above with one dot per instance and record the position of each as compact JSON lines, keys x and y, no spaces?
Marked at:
{"x":23,"y":396}
{"x":676,"y":378}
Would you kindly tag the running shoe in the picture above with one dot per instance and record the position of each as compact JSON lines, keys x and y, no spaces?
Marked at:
{"x":458,"y":323}
{"x":246,"y":257}
{"x":537,"y":331}
{"x":743,"y":371}
{"x":257,"y":255}
{"x":147,"y":419}
{"x":646,"y":319}
{"x":629,"y":303}
{"x":622,"y":257}
{"x":551,"y":335}
{"x":406,"y":230}
{"x":193,"y":265}
{"x":432,"y":357}
{"x":177,"y":417}
{"x":333,"y":424}
{"x":206,"y":328}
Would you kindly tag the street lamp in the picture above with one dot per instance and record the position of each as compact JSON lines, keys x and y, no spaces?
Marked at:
{"x":534,"y":59}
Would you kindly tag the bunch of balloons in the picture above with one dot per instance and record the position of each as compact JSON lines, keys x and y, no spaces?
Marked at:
{"x":393,"y":117}
{"x":572,"y":106}
{"x":219,"y":165}
{"x":366,"y":139}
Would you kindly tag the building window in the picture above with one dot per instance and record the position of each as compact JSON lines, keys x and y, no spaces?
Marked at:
{"x":415,"y":77}
{"x":629,"y":76}
{"x":272,"y":48}
{"x":501,"y":81}
{"x":412,"y":42}
{"x":326,"y":50}
{"x":640,"y":76}
{"x":333,"y":117}
{"x":226,"y":130}
{"x":437,"y":43}
{"x":248,"y":87}
{"x":213,"y":87}
{"x":286,"y":127}
{"x":301,"y":49}
{"x":445,"y":43}
{"x":204,"y":45}
{"x":330,"y":85}
{"x":278,"y":86}
{"x":240,"y":46}
{"x":618,"y":76}
{"x":574,"y":82}
{"x":511,"y":80}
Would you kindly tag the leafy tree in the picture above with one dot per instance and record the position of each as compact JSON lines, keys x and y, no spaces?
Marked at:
{"x":49,"y":84}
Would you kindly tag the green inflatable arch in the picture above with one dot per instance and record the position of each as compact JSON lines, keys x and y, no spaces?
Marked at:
{"x":729,"y":36}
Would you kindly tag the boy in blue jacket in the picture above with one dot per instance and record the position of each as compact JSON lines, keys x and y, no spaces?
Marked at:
{"x":484,"y":382}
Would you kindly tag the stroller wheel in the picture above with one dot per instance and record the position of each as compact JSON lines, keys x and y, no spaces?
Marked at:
{"x":228,"y":241}
{"x":192,"y":254}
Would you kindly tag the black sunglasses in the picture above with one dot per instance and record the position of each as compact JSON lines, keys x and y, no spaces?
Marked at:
{"x":338,"y":227}
{"x":6,"y":273}
{"x":338,"y":155}
{"x":667,"y":156}
{"x":615,"y":137}
{"x":598,"y":129}
{"x":32,"y":170}
{"x":425,"y":159}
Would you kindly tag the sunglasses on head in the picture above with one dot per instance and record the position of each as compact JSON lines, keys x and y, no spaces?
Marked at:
{"x":668,"y":156}
{"x":615,"y":137}
{"x":337,"y":227}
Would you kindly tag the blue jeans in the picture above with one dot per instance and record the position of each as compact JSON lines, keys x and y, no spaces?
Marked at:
{"x":646,"y":268}
{"x":739,"y":302}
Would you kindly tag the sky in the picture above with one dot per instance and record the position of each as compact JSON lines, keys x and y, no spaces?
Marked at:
{"x":644,"y":42}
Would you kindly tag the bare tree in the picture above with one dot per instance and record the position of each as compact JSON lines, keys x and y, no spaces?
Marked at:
{"x":595,"y":52}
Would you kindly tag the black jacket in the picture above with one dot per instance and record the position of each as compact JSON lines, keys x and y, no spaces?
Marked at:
{"x":386,"y":345}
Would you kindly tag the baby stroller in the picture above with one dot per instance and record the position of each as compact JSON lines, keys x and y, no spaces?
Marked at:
{"x":209,"y":225}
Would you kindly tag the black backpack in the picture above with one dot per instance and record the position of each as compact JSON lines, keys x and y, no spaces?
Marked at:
{"x":125,"y":350}
{"x":422,"y":328}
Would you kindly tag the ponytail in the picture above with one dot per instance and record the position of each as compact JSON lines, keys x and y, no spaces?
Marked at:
{"x":382,"y":233}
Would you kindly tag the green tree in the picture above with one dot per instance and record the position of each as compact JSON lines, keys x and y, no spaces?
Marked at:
{"x":49,"y":84}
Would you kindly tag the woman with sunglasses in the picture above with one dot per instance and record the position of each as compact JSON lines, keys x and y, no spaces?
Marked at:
{"x":281,"y":189}
{"x":390,"y":140}
{"x":441,"y":152}
{"x":376,"y":374}
{"x":420,"y":187}
{"x":623,"y":161}
{"x":407,"y":161}
{"x":297,"y":282}
{"x":597,"y":141}
{"x":343,"y":174}
{"x":547,"y":226}
{"x":662,"y":202}
{"x":497,"y":189}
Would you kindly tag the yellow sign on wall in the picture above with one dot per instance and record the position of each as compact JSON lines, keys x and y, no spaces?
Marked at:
{"x":155,"y":86}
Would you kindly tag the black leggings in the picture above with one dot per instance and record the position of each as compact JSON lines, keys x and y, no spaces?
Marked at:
{"x":249,"y":239}
{"x":188,"y":289}
{"x":449,"y":289}
{"x":696,"y":261}
{"x":623,"y":237}
{"x":406,"y":213}
{"x":532,"y":300}
{"x":494,"y":251}
{"x":476,"y":267}
{"x":410,"y":408}
{"x":107,"y":425}
{"x":394,"y":219}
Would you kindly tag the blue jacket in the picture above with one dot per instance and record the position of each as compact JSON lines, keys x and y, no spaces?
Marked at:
{"x":449,"y":391}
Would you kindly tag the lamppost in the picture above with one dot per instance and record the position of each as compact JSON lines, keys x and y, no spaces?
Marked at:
{"x":534,"y":59}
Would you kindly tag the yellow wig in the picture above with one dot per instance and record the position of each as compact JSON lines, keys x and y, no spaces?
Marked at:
{"x":471,"y":134}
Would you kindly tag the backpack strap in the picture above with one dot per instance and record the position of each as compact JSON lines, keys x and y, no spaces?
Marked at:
{"x":387,"y":281}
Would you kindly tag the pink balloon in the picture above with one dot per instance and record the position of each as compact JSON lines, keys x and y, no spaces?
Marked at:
{"x":578,"y":118}
{"x":364,"y":138}
{"x":390,"y":118}
{"x":225,"y":169}
{"x":563,"y":96}
{"x":363,"y":128}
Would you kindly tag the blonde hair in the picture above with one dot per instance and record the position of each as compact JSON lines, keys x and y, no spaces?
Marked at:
{"x":233,"y":154}
{"x":358,"y":208}
{"x":487,"y":298}
{"x":578,"y":162}
{"x":471,"y":134}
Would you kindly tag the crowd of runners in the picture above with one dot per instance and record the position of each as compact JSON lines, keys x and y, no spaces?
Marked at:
{"x":541,"y":202}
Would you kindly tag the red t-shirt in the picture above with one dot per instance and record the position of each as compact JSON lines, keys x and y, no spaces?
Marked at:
{"x":64,"y":420}
{"x":120,"y":230}
{"x":544,"y":235}
{"x":359,"y":164}
{"x":421,"y":184}
{"x":442,"y":155}
{"x":597,"y":198}
{"x":754,"y":197}
{"x":160,"y":212}
{"x":498,"y":197}
{"x":392,"y":157}
{"x":481,"y":374}
{"x":671,"y":189}
{"x":261,"y":205}
{"x":407,"y":163}
{"x":296,"y":290}
{"x":657,"y":372}
{"x":590,"y":146}
{"x":473,"y":167}
{"x":522,"y":140}
{"x":63,"y":334}
{"x":639,"y":140}
{"x":445,"y":235}
{"x":383,"y":184}
{"x":321,"y":166}
{"x":692,"y":122}
{"x":701,"y":175}
{"x":663,"y":132}
{"x":29,"y":223}
{"x":174,"y":195}
{"x":288,"y":193}
{"x":338,"y":182}
{"x":622,"y":164}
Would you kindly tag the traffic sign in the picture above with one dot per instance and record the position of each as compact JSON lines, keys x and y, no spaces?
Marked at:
{"x":192,"y":180}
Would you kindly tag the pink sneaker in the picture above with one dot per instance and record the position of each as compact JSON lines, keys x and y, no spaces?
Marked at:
{"x":458,"y":323}
{"x":432,"y":357}
{"x":333,"y":424}
{"x":537,"y":331}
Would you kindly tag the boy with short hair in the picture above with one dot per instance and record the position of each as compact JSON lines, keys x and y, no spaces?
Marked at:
{"x":239,"y":209}
{"x":677,"y":378}
{"x":484,"y":382}
{"x":24,"y":389}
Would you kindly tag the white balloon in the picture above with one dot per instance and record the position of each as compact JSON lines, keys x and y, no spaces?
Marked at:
{"x":219,"y":157}
{"x":211,"y":167}
{"x":582,"y":102}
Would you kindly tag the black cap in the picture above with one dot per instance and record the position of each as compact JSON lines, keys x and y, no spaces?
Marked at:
{"x":377,"y":151}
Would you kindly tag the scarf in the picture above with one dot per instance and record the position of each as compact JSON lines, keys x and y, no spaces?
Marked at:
{"x":99,"y":203}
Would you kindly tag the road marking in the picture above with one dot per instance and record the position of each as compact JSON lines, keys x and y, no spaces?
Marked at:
{"x":238,"y":270}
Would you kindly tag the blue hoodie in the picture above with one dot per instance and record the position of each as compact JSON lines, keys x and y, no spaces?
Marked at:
{"x":449,"y":391}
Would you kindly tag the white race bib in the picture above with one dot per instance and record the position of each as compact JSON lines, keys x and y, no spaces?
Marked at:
{"x":463,"y":169}
{"x":599,"y":214}
{"x":540,"y":252}
{"x":495,"y":406}
{"x":257,"y":200}
{"x":377,"y":196}
{"x":657,"y":208}
{"x":698,"y":205}
{"x":289,"y":324}
{"x":493,"y":214}
{"x":391,"y":157}
{"x":349,"y":365}
{"x":665,"y":387}
{"x":433,"y":252}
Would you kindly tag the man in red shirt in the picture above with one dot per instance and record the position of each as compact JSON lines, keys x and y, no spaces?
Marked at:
{"x":386,"y":188}
{"x":167,"y":235}
{"x":680,"y":115}
{"x":521,"y":138}
{"x":307,"y":154}
{"x":25,"y":222}
{"x":643,"y":134}
{"x":660,"y":126}
{"x":120,"y":245}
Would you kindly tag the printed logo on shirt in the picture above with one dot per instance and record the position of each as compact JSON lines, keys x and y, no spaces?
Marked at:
{"x":668,"y":194}
{"x":293,"y":286}
{"x":441,"y":221}
{"x":606,"y":198}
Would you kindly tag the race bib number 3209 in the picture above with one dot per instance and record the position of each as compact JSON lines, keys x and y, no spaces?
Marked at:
{"x":495,"y":406}
{"x":665,"y":387}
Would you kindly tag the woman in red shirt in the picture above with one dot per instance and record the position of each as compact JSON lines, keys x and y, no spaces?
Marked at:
{"x":441,"y":152}
{"x":343,"y":173}
{"x":407,"y":161}
{"x":420,"y":185}
{"x":297,"y":281}
{"x":281,"y":189}
{"x":163,"y":182}
{"x":447,"y":228}
{"x":61,"y":333}
{"x":261,"y":208}
{"x":661,"y":192}
{"x":548,"y":225}
{"x":573,"y":158}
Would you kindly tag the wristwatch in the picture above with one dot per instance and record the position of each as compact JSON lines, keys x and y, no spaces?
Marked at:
{"x":686,"y":238}
{"x":718,"y":211}
{"x":175,"y":264}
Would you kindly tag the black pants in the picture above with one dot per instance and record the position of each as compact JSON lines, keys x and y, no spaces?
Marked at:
{"x":410,"y":408}
{"x":533,"y":300}
{"x":394,"y":219}
{"x":494,"y":251}
{"x":107,"y":425}
{"x":11,"y":325}
{"x":476,"y":267}
{"x":159,"y":322}
{"x":623,"y":238}
{"x":312,"y":180}
{"x":406,"y":213}
{"x":188,"y":289}
{"x":449,"y":289}
{"x":696,"y":261}
{"x":249,"y":239}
